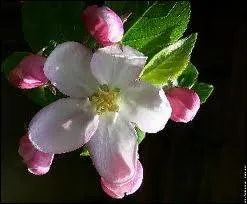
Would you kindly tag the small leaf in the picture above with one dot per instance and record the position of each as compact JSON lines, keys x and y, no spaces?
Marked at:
{"x":161,"y":24}
{"x":12,"y":61}
{"x":203,"y":90}
{"x":188,"y":77}
{"x":170,"y":62}
{"x":85,"y":152}
{"x":52,"y":20}
{"x":140,"y":135}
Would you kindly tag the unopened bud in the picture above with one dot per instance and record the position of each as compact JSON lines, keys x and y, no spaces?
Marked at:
{"x":103,"y":24}
{"x":184,"y":103}
{"x":29,"y":73}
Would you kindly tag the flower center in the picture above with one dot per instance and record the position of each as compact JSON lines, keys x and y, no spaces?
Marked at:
{"x":105,"y":99}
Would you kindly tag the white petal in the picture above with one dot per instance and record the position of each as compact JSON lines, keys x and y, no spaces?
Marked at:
{"x":147,"y":106}
{"x":116,"y":67}
{"x":63,"y":126}
{"x":68,"y":68}
{"x":113,"y":149}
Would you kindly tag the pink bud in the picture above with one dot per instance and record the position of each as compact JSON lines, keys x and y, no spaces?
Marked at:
{"x":29,"y":72}
{"x":37,"y":162}
{"x":103,"y":24}
{"x":184,"y":103}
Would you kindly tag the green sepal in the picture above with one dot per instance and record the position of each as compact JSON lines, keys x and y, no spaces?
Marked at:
{"x":85,"y":152}
{"x":140,"y":135}
{"x":188,"y":77}
{"x":203,"y":90}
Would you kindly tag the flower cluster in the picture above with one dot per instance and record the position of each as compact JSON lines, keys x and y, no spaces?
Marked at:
{"x":106,"y":100}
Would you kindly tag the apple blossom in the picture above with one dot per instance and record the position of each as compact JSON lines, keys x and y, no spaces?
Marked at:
{"x":106,"y":100}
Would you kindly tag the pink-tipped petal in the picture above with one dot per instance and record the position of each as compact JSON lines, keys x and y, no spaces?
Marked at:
{"x":185,"y":104}
{"x":113,"y":149}
{"x":29,"y":73}
{"x":103,"y":24}
{"x":37,"y":162}
{"x":118,"y":191}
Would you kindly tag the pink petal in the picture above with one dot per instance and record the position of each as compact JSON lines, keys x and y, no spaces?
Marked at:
{"x":113,"y":149}
{"x":29,"y":73}
{"x":39,"y":170}
{"x":37,"y":162}
{"x":185,"y":104}
{"x":119,"y":190}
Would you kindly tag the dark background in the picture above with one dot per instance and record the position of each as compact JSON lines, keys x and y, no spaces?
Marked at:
{"x":201,"y":161}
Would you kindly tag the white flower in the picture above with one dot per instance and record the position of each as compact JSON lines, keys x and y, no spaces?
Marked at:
{"x":106,"y":100}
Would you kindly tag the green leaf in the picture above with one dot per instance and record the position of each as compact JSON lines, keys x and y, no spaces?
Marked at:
{"x":56,"y":21}
{"x":170,"y":62}
{"x":12,"y":61}
{"x":85,"y":152}
{"x":43,"y":96}
{"x":140,"y":135}
{"x":203,"y":90}
{"x":161,"y":24}
{"x":188,"y":77}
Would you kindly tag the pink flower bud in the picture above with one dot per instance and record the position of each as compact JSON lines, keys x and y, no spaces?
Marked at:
{"x":37,"y":162}
{"x":103,"y":24}
{"x":184,"y":103}
{"x":29,"y":73}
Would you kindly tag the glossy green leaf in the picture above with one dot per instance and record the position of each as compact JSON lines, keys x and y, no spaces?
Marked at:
{"x":12,"y":61}
{"x":161,"y":24}
{"x":140,"y":135}
{"x":188,"y":77}
{"x":203,"y":90}
{"x":57,"y":21}
{"x":170,"y":62}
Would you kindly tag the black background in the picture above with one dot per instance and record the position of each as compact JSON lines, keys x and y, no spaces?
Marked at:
{"x":201,"y":161}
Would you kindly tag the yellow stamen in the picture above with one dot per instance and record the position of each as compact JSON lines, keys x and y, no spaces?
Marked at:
{"x":105,"y":99}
